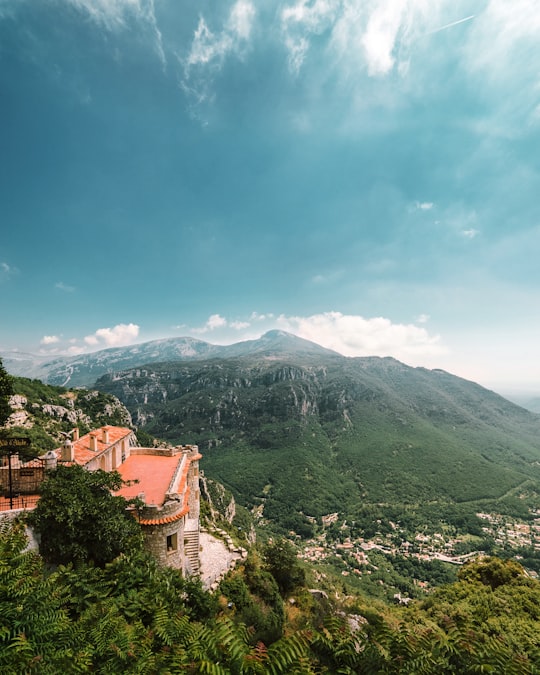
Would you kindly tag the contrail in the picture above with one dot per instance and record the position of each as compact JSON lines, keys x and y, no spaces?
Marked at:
{"x":449,"y":25}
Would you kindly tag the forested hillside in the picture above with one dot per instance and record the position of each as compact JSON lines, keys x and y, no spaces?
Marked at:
{"x":300,"y":437}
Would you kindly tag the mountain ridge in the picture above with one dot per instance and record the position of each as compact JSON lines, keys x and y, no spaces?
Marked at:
{"x":84,"y":369}
{"x":306,"y":436}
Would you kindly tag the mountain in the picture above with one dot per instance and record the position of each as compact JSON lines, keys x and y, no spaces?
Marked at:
{"x":83,"y":370}
{"x":528,"y":401}
{"x":299,"y":435}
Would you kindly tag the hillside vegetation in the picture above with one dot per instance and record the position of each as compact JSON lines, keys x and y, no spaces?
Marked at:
{"x":298,"y":438}
{"x":132,"y":617}
{"x":41,"y":412}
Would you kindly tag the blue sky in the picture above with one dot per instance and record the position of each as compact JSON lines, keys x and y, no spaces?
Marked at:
{"x":364,"y":174}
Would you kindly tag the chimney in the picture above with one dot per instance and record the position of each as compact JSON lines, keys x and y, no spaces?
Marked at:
{"x":75,"y":434}
{"x":93,"y":442}
{"x":105,"y":435}
{"x":50,"y":461}
{"x":68,"y":454}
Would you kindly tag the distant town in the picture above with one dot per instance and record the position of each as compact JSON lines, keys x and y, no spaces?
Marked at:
{"x":507,"y":534}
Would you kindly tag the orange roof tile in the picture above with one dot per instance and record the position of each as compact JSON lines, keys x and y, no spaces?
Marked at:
{"x":165,"y":520}
{"x":81,"y":447}
{"x":154,"y":474}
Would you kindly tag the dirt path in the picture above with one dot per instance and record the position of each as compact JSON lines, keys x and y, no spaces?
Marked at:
{"x":215,"y":558}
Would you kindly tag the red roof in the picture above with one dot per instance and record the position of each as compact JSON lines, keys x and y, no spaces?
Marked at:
{"x":81,"y":447}
{"x":154,"y":474}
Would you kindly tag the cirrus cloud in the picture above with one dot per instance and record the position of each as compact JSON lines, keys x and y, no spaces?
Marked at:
{"x":209,"y":50}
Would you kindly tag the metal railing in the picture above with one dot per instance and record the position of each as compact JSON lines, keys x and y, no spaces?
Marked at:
{"x":18,"y":501}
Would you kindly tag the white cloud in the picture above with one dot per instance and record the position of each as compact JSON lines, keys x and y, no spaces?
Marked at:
{"x":115,"y":14}
{"x":470,"y":234}
{"x":64,"y":287}
{"x":379,"y":38}
{"x":349,"y":335}
{"x":354,"y":335}
{"x":374,"y":35}
{"x":504,"y":31}
{"x":214,"y":321}
{"x":423,"y":318}
{"x":424,"y":206}
{"x":502,"y":54}
{"x":209,"y":50}
{"x":49,"y":340}
{"x":5,"y":270}
{"x":300,"y":21}
{"x":75,"y":350}
{"x":120,"y":335}
{"x":255,"y":316}
{"x":240,"y":20}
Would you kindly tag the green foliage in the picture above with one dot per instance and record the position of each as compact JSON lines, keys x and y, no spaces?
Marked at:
{"x":281,"y":561}
{"x":79,"y":520}
{"x":52,"y":410}
{"x":6,"y":391}
{"x":255,"y":601}
{"x":34,"y":635}
{"x":133,"y":617}
{"x":492,"y":572}
{"x":145,"y":439}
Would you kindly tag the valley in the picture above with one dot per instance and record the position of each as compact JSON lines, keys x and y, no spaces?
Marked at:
{"x":405,"y":458}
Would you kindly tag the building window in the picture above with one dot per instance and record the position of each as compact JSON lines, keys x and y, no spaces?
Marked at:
{"x":172,"y":542}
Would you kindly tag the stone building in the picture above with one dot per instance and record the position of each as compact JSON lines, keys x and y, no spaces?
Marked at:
{"x":168,"y":485}
{"x":165,"y":480}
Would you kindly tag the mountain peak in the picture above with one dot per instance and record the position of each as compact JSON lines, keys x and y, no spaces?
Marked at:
{"x":276,"y":333}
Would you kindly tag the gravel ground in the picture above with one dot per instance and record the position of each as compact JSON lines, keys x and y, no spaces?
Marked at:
{"x":215,"y":559}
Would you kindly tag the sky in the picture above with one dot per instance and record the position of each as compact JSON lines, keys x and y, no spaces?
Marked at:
{"x":361,"y":173}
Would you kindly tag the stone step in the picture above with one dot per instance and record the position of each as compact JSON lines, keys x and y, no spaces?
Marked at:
{"x":191,"y":550}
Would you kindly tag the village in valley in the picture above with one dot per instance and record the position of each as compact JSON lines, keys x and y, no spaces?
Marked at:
{"x":505,"y":534}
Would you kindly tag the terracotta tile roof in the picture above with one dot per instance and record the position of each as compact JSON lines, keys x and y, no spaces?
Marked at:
{"x":81,"y":447}
{"x":153,"y":473}
{"x":154,"y":476}
{"x":166,"y":519}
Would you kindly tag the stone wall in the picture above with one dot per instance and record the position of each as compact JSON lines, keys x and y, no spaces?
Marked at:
{"x":165,"y":542}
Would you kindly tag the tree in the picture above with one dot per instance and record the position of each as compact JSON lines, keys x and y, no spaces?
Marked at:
{"x":79,"y":520}
{"x":281,"y":561}
{"x":6,"y":390}
{"x":492,"y":572}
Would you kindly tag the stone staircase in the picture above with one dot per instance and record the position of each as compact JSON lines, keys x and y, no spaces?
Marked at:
{"x":191,"y":551}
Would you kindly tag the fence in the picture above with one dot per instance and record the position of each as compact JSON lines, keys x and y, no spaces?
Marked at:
{"x":18,"y":501}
